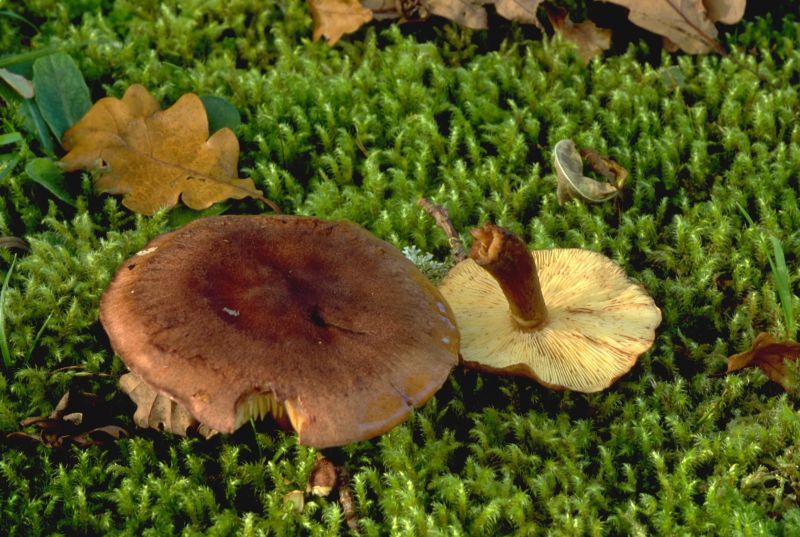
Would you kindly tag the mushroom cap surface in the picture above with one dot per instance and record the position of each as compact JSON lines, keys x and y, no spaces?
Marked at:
{"x":321,"y":316}
{"x":598,"y":323}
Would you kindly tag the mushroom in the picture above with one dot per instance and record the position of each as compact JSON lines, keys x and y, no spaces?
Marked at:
{"x":568,"y":318}
{"x":321,"y":324}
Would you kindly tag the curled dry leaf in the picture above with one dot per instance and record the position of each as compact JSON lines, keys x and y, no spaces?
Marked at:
{"x":571,"y":181}
{"x":591,"y":40}
{"x":153,"y":157}
{"x":334,"y":18}
{"x":156,"y":410}
{"x":768,"y":355}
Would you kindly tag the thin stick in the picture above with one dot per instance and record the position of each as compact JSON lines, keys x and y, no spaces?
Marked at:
{"x":442,"y":219}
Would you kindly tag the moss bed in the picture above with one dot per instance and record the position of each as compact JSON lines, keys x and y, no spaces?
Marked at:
{"x":468,"y":119}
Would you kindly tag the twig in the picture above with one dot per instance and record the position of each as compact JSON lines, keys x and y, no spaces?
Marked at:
{"x":442,"y":219}
{"x":272,"y":205}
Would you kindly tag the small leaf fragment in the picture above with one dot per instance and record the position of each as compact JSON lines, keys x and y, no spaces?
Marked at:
{"x":523,"y":11}
{"x":18,"y":83}
{"x":571,"y":181}
{"x":220,"y":113}
{"x":591,"y":40}
{"x":35,"y":124}
{"x":725,"y":11}
{"x":768,"y":355}
{"x":464,"y":12}
{"x":61,"y":92}
{"x":334,"y":18}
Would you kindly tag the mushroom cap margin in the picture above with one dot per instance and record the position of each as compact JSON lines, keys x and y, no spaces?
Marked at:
{"x":381,"y":343}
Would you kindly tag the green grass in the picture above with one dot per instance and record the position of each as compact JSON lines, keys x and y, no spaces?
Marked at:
{"x":468,"y":119}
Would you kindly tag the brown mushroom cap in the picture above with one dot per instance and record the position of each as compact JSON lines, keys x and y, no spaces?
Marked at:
{"x":232,"y":314}
{"x":597,"y":321}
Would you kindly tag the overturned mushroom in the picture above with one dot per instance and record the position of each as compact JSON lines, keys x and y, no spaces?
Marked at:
{"x":319,"y":323}
{"x":567,"y":318}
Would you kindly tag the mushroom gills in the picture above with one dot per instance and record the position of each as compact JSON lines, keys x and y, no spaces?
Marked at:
{"x":259,"y":405}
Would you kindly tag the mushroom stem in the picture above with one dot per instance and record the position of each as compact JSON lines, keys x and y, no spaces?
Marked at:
{"x":510,"y":262}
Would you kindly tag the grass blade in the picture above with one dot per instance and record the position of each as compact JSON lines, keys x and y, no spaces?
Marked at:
{"x":781,"y":274}
{"x":3,"y":340}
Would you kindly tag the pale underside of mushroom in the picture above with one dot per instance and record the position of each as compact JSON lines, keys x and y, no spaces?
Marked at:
{"x":598,"y":321}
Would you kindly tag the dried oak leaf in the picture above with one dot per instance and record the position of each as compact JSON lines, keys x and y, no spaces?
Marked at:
{"x":591,"y":39}
{"x":523,"y":11}
{"x":768,"y":355}
{"x":153,"y":157}
{"x":467,"y":13}
{"x":725,"y":11}
{"x":683,"y":22}
{"x":156,"y":410}
{"x":334,"y":18}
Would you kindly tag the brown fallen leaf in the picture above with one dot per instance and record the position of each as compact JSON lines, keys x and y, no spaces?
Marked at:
{"x":467,"y":13}
{"x":74,"y":421}
{"x":591,"y":40}
{"x":725,"y":11}
{"x":768,"y":355}
{"x":156,"y":410}
{"x":153,"y":157}
{"x":334,"y":18}
{"x":523,"y":11}
{"x":684,"y":22}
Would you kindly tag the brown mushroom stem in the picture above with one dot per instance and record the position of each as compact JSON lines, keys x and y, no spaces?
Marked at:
{"x":510,"y":262}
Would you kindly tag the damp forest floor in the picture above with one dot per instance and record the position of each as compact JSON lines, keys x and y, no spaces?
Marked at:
{"x":360,"y":131}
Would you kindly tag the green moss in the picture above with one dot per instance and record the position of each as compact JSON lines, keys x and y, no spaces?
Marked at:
{"x":360,"y":131}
